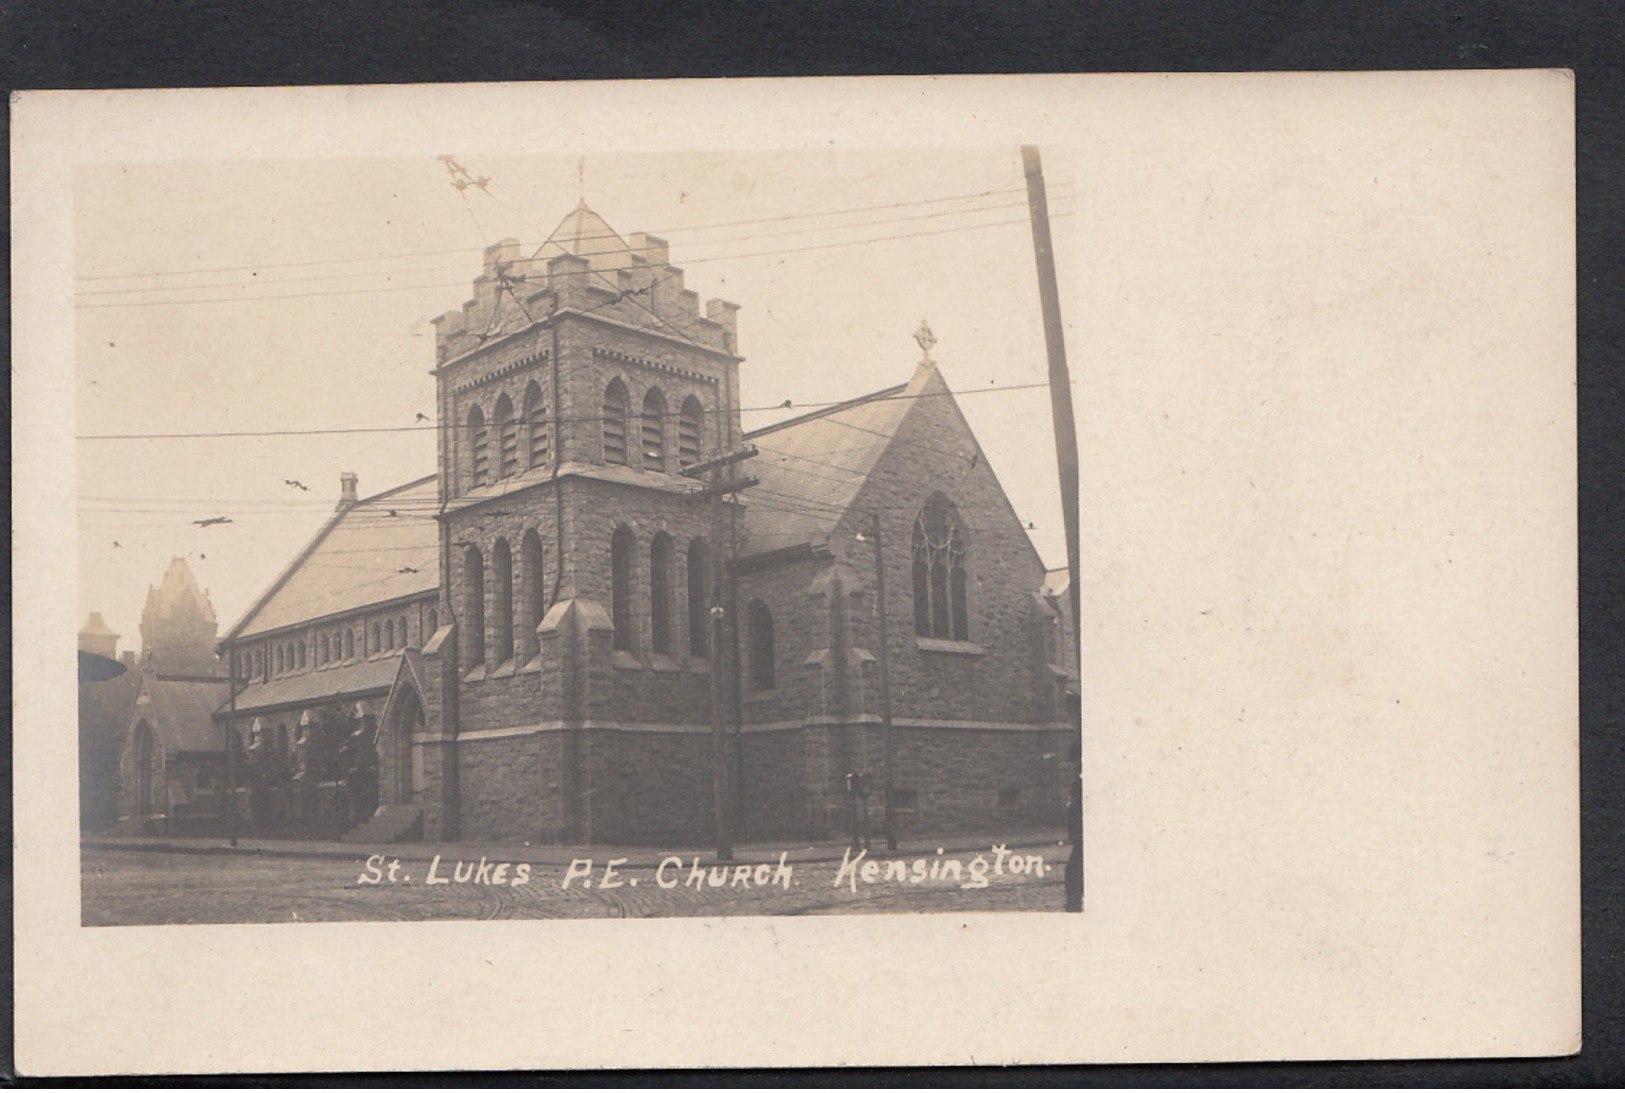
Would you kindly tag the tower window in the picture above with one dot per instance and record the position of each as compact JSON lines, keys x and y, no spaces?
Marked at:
{"x":479,"y":448}
{"x":621,"y":548}
{"x":699,"y":579}
{"x":660,"y":593}
{"x":761,"y":647}
{"x":473,"y":607}
{"x":615,"y":423}
{"x":535,"y":427}
{"x":535,"y":591}
{"x":653,"y":433}
{"x":507,"y":439}
{"x":688,"y":432}
{"x":940,"y":609}
{"x":502,"y":574}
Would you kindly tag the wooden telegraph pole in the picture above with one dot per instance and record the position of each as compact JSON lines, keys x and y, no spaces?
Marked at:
{"x":1066,"y":455}
{"x":887,"y":748}
{"x":721,"y":482}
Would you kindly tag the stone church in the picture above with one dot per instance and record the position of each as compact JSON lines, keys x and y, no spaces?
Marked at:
{"x":544,"y":637}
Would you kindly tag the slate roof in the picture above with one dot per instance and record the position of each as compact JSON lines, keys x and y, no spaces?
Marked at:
{"x":105,"y":707}
{"x":811,"y":467}
{"x":182,"y":714}
{"x":327,"y":684}
{"x":356,"y":559}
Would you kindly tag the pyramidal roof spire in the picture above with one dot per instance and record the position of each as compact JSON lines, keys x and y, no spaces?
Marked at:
{"x":586,"y":234}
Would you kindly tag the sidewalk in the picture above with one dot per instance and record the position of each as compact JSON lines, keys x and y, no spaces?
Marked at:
{"x":1054,"y":840}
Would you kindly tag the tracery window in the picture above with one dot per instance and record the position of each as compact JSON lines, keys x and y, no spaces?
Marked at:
{"x":940,"y":609}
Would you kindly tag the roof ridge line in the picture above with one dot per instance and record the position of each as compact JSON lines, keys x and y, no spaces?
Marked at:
{"x":825,"y":411}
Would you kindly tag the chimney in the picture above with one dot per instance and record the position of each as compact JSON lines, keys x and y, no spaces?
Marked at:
{"x":347,"y":484}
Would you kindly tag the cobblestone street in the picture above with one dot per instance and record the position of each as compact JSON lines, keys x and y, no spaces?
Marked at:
{"x":128,"y":886}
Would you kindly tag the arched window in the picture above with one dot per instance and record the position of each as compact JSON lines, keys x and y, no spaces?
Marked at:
{"x":939,"y":572}
{"x":389,"y":634}
{"x":660,"y":553}
{"x":699,"y":579}
{"x":760,"y":621}
{"x":280,"y":751}
{"x":621,"y":548}
{"x":507,"y":438}
{"x":400,"y":631}
{"x":479,"y":448}
{"x":377,"y":638}
{"x":533,"y":594}
{"x":473,"y":607}
{"x":688,"y":432}
{"x":256,"y":662}
{"x":434,"y":621}
{"x":280,"y":666}
{"x":615,"y":423}
{"x":323,"y":658}
{"x":653,"y":434}
{"x":349,"y":644}
{"x":301,"y":652}
{"x":535,"y":427}
{"x":502,"y":625}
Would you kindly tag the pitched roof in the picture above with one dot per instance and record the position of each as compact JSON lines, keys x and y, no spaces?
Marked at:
{"x":105,"y":706}
{"x":585,"y":234}
{"x":182,"y":714}
{"x":178,"y":593}
{"x":357,"y":559}
{"x":811,"y":467}
{"x":328,"y":684}
{"x":1057,"y":581}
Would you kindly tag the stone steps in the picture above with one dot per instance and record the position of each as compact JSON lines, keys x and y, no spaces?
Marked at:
{"x":390,"y":824}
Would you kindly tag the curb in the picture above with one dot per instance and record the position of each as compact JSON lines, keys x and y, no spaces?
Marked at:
{"x":424,"y":851}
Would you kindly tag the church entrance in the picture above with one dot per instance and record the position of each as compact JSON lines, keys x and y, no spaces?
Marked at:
{"x":402,"y":762}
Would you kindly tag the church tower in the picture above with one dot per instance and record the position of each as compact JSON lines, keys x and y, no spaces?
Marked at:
{"x":573,"y":389}
{"x":178,"y":624}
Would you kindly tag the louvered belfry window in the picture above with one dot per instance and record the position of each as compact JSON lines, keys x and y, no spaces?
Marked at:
{"x":507,"y":439}
{"x":653,"y":434}
{"x":535,"y":427}
{"x":688,"y":432}
{"x":615,"y":423}
{"x":940,"y":609}
{"x":479,"y":448}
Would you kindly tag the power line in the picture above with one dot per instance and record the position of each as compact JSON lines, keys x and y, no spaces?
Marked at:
{"x":572,"y":420}
{"x":600,"y":271}
{"x":434,"y":269}
{"x":471,"y":251}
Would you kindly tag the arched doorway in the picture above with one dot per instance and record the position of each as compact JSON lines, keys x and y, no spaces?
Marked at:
{"x":402,"y":773}
{"x":143,"y":770}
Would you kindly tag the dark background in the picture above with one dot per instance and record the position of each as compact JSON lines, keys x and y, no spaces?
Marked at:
{"x":72,"y":44}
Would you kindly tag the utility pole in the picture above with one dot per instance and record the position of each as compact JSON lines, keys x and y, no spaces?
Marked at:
{"x":887,"y":741}
{"x":721,"y":482}
{"x":229,"y":735}
{"x":1066,"y":455}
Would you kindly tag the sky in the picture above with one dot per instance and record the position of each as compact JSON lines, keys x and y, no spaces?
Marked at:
{"x":290,"y":296}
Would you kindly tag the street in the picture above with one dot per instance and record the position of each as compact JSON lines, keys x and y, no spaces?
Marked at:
{"x":162,"y":885}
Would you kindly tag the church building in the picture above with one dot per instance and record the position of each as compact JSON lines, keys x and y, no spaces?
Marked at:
{"x":545,"y":637}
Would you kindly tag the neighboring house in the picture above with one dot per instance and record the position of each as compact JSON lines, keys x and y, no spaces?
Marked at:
{"x":545,"y":632}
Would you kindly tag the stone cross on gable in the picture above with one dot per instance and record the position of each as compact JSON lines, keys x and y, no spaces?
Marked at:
{"x":926,"y":340}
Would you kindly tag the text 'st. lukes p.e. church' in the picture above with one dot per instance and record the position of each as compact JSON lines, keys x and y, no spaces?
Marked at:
{"x":610,"y":601}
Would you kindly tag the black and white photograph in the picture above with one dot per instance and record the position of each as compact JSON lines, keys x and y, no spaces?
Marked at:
{"x":459,"y":548}
{"x":920,"y":571}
